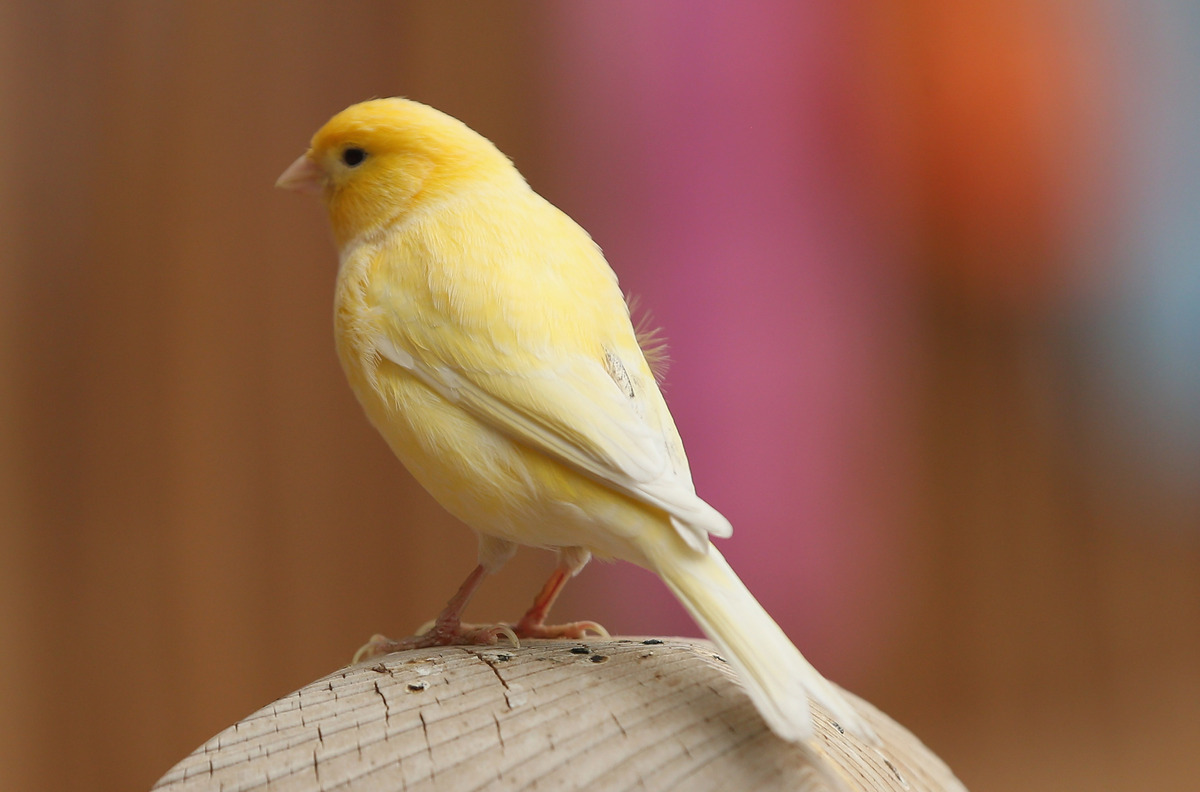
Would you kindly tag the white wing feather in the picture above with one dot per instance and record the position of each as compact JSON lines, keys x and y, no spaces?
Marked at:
{"x":614,"y":445}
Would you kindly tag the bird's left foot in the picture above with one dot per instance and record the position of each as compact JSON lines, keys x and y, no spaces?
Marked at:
{"x":533,"y":623}
{"x":528,"y":628}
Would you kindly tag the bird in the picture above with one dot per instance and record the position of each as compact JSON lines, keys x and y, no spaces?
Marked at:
{"x":489,"y":342}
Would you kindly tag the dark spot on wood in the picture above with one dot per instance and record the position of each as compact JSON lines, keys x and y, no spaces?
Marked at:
{"x":416,"y":687}
{"x":651,"y":642}
{"x":896,"y":773}
{"x":580,"y":650}
{"x":599,"y":658}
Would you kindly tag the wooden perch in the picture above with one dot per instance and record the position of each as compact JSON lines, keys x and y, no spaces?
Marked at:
{"x":621,"y":713}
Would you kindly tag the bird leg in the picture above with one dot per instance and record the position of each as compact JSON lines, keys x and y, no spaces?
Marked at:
{"x":533,"y":623}
{"x":447,"y":630}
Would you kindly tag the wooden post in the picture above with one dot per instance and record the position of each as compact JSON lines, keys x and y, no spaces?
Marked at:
{"x":620,"y":713}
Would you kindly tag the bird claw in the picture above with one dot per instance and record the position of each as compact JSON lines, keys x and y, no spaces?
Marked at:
{"x":433,"y":634}
{"x":491,"y":634}
{"x":376,"y":646}
{"x":571,"y":630}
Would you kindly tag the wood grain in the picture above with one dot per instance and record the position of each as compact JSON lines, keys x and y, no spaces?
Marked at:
{"x":624,"y":713}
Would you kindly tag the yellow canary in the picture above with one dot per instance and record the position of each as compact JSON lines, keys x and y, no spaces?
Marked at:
{"x":488,"y":341}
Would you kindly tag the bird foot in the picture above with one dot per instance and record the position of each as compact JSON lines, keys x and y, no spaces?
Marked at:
{"x":436,"y":634}
{"x":572,"y":630}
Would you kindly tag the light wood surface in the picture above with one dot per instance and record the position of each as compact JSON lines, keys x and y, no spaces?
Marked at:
{"x":622,"y":713}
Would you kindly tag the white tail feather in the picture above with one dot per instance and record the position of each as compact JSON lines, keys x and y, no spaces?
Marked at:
{"x":776,"y":676}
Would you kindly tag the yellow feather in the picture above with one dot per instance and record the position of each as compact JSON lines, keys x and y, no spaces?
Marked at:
{"x":651,"y":338}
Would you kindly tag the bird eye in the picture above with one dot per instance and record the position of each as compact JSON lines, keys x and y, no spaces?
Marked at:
{"x":353,"y":156}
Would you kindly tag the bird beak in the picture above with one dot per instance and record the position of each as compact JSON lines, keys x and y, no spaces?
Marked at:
{"x":303,"y":175}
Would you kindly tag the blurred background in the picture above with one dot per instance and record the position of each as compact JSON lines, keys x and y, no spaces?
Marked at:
{"x":930,"y":271}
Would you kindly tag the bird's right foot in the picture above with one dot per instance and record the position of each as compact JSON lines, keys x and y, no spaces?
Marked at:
{"x":438,"y":634}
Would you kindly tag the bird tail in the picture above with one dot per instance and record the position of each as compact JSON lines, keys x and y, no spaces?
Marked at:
{"x":776,"y":676}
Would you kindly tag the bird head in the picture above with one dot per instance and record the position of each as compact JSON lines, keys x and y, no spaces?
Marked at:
{"x":377,"y":161}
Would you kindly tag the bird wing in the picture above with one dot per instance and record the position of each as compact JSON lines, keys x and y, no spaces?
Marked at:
{"x":579,"y":413}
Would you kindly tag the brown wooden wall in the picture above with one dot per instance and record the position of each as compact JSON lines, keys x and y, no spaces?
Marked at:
{"x":189,"y":489}
{"x":195,"y":518}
